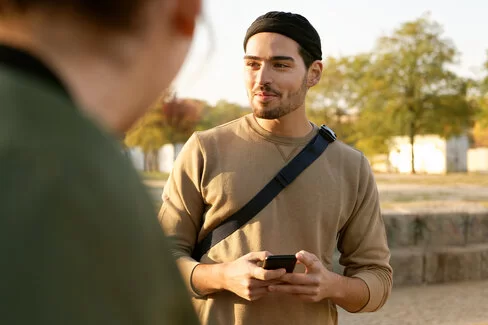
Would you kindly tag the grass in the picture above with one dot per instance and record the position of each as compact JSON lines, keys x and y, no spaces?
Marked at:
{"x":480,"y":179}
{"x":435,"y":191}
{"x":160,"y":176}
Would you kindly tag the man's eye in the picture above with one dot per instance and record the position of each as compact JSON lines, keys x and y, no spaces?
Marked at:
{"x":252,"y":64}
{"x":281,"y":65}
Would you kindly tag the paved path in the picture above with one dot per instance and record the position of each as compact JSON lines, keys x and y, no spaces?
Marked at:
{"x":464,"y":303}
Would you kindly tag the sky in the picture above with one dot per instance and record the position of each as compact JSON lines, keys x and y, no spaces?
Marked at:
{"x":214,"y":65}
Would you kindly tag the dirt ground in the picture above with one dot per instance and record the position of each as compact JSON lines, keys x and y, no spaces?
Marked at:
{"x":402,"y":193}
{"x":462,"y":303}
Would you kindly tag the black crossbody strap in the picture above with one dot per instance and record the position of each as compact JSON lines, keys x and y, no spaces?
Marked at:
{"x":305,"y":158}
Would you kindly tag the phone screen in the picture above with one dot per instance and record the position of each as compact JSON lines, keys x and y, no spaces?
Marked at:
{"x":275,"y":262}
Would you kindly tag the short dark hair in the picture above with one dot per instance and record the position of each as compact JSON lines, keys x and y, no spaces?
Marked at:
{"x":306,"y":56}
{"x":291,"y":25}
{"x":112,"y":14}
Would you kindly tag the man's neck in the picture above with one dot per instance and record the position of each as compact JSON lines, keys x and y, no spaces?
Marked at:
{"x":293,"y":125}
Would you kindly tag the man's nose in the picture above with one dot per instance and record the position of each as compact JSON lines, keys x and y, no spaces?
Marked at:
{"x":263,"y":75}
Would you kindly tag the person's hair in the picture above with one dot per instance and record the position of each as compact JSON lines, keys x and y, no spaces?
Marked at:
{"x":111,"y":14}
{"x":306,"y":56}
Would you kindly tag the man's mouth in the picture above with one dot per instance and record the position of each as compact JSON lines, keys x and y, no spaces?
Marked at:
{"x":265,"y":95}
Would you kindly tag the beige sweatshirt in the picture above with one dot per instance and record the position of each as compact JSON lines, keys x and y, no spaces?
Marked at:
{"x":333,"y":202}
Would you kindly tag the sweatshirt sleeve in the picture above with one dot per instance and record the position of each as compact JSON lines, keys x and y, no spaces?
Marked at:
{"x":363,"y":243}
{"x":183,"y":207}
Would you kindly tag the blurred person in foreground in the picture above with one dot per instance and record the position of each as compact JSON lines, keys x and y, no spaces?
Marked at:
{"x":333,"y":202}
{"x":80,"y":240}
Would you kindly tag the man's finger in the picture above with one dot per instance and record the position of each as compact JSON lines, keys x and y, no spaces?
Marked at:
{"x":308,"y":259}
{"x":256,"y":283}
{"x":265,"y":275}
{"x":293,"y":289}
{"x":299,"y":279}
{"x":258,"y":256}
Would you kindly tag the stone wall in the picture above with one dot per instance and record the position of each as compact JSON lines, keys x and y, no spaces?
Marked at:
{"x":431,"y":248}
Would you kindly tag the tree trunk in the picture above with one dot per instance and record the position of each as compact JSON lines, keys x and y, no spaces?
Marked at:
{"x":146,"y":165}
{"x":151,"y":163}
{"x":412,"y":142}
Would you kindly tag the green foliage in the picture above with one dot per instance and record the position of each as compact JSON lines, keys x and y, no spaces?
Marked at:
{"x":423,"y":95}
{"x":154,"y":175}
{"x":480,"y":135}
{"x":221,"y":113}
{"x":335,"y":99}
{"x":481,"y":99}
{"x":180,"y":118}
{"x":403,"y":87}
{"x":168,"y":121}
{"x":147,"y":133}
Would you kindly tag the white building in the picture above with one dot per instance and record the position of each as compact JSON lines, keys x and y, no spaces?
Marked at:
{"x":478,"y":160}
{"x":166,"y":157}
{"x":432,"y":154}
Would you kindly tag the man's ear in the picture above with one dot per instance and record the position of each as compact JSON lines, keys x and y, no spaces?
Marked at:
{"x":314,"y":73}
{"x":186,"y":14}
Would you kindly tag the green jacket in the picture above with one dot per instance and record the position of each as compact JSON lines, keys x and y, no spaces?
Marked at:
{"x":80,"y":242}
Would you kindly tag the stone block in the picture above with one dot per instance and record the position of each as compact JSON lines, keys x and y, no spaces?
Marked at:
{"x":477,"y":228}
{"x":441,"y":229}
{"x":408,"y":266}
{"x":450,"y":264}
{"x":400,"y":229}
{"x":484,"y":264}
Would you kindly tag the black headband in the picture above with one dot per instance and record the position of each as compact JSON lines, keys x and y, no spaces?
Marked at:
{"x":294,"y":26}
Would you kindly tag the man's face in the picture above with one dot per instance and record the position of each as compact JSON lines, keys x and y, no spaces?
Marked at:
{"x":275,"y":75}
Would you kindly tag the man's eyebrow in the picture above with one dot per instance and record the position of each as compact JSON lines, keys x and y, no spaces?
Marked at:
{"x":282,"y":58}
{"x":252,"y":57}
{"x":273,"y":58}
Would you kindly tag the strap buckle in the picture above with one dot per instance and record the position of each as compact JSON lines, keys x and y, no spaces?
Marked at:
{"x":282,"y":179}
{"x":327,"y":133}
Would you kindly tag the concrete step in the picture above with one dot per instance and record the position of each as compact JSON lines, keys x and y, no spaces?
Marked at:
{"x":414,"y":265}
{"x":418,"y":266}
{"x":433,"y":229}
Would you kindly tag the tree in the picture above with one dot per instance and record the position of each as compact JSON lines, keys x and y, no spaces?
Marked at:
{"x":479,"y":97}
{"x":332,"y":100}
{"x":146,"y":134}
{"x":180,"y":118}
{"x":482,"y":97}
{"x":417,"y":92}
{"x":347,"y":99}
{"x":170,"y":120}
{"x":480,"y":135}
{"x":221,"y":113}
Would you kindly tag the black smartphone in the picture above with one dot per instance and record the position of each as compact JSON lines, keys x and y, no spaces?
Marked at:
{"x":275,"y":262}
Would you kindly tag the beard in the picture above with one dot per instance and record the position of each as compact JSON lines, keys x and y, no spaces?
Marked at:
{"x":278,"y":107}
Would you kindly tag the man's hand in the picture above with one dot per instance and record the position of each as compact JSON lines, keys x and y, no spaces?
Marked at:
{"x":248,"y":280}
{"x":316,"y":284}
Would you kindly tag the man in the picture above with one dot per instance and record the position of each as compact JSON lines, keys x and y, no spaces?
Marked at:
{"x":333,"y":201}
{"x":80,"y":240}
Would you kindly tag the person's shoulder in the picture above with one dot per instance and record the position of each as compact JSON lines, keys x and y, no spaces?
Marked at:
{"x":35,"y":112}
{"x":346,"y":151}
{"x":346,"y":157}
